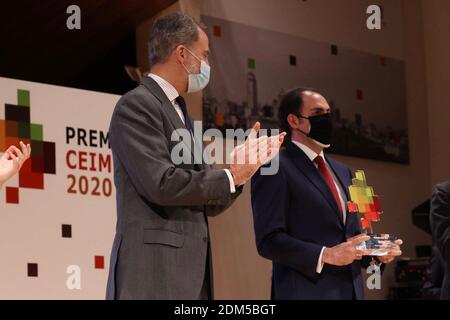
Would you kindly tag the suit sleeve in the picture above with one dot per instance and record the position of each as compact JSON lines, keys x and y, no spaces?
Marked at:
{"x":440,"y":219}
{"x":270,"y":198}
{"x":138,"y":139}
{"x":214,"y":210}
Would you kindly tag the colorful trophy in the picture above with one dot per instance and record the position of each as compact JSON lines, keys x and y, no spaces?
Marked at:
{"x":366,"y":203}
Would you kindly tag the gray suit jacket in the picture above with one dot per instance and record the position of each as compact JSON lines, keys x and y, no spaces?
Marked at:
{"x":440,"y":227}
{"x":161,"y":242}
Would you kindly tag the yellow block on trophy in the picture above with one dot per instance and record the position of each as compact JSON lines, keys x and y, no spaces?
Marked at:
{"x":360,"y":176}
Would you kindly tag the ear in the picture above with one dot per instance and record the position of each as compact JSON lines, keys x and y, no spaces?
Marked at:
{"x":180,"y":53}
{"x":293,"y":121}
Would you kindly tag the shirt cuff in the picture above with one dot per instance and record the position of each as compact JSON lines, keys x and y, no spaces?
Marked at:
{"x":320,"y":262}
{"x":230,"y":178}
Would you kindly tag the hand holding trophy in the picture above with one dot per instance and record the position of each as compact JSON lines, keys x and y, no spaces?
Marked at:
{"x":366,"y":203}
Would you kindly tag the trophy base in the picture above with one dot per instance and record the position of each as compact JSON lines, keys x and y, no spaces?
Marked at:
{"x":379,"y":244}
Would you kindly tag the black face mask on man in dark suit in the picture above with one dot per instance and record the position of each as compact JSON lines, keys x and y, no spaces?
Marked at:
{"x":321,"y":128}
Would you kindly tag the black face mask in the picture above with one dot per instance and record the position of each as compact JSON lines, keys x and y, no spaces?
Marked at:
{"x":321,"y":128}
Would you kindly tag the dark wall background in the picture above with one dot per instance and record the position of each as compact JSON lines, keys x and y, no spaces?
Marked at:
{"x":37,"y":46}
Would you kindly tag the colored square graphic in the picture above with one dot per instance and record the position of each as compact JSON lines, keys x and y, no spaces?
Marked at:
{"x":352,"y":207}
{"x":17,"y":127}
{"x":36,"y":132}
{"x":32,"y":269}
{"x":359,"y":95}
{"x":30,"y":179}
{"x":37,"y":148}
{"x":217,"y":31}
{"x":17,"y":113}
{"x":9,"y":141}
{"x":293,"y":60}
{"x":334,"y":50}
{"x":24,"y":130}
{"x":37,"y":164}
{"x":365,"y":224}
{"x":251,"y":63}
{"x":66,"y":230}
{"x":99,"y":262}
{"x":49,"y":157}
{"x":12,"y":195}
{"x":11,"y":128}
{"x":23,"y":98}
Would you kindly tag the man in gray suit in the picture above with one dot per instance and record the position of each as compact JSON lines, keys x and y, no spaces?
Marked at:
{"x":161,"y":247}
{"x":440,"y":227}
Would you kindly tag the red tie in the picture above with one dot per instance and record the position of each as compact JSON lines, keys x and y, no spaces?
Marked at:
{"x":329,"y":179}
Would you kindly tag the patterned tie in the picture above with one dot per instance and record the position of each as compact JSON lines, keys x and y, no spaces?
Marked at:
{"x":329,"y":180}
{"x":182,"y":103}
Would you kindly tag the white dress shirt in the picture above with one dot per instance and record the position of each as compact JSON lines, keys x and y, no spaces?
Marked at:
{"x":312,"y":155}
{"x":172,"y":94}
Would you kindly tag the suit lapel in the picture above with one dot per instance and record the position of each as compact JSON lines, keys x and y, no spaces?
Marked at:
{"x":168,"y":108}
{"x":306,"y":166}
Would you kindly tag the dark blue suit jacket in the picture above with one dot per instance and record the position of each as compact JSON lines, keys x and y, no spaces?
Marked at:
{"x":295,"y":215}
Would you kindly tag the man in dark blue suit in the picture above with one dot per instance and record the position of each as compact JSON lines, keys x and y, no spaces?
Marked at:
{"x":440,"y":227}
{"x":300,"y":216}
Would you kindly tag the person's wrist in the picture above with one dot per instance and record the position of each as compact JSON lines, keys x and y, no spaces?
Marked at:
{"x":326,"y":256}
{"x":233,"y":175}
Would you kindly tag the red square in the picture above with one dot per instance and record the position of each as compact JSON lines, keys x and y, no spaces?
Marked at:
{"x":352,"y":207}
{"x":217,"y":31}
{"x":99,"y":262}
{"x":383,"y":61}
{"x":365,"y":224}
{"x":376,"y":203}
{"x":372,"y":216}
{"x":30,"y":179}
{"x":12,"y":195}
{"x":37,"y":164}
{"x":359,"y":94}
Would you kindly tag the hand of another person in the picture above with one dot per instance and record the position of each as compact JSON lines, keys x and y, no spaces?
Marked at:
{"x":12,"y":160}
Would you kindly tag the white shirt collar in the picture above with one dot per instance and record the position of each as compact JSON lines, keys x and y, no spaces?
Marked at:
{"x":308,"y":151}
{"x":165,"y":85}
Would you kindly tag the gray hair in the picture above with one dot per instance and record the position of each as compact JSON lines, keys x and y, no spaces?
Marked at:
{"x":170,"y":31}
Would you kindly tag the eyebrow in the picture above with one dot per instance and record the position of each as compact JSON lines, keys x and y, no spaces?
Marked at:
{"x":318,"y":109}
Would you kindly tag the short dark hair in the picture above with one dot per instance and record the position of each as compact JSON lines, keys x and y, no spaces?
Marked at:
{"x":170,"y":31}
{"x":291,"y":103}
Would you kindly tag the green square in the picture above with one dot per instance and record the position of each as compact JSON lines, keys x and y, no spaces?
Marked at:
{"x":36,"y":132}
{"x":24,"y":130}
{"x":251,"y":63}
{"x":37,"y":148}
{"x":23,"y":98}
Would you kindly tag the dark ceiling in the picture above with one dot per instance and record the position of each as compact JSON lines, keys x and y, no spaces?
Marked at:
{"x":37,"y":46}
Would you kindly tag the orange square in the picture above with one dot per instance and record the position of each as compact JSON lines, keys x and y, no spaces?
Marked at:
{"x":11,"y":141}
